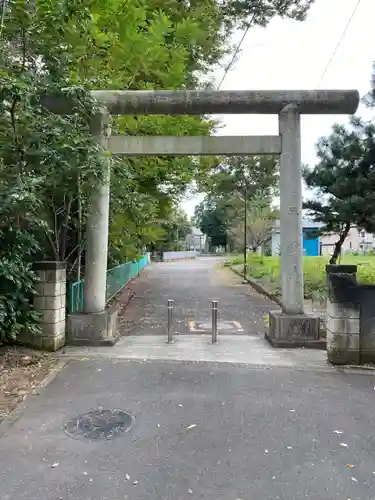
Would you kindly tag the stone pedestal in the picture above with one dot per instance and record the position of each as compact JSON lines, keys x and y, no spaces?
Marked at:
{"x":93,"y":329}
{"x":343,"y":315}
{"x":50,"y":303}
{"x":293,"y":330}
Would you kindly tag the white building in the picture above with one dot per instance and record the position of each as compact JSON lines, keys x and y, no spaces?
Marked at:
{"x":357,"y":240}
{"x":196,"y":240}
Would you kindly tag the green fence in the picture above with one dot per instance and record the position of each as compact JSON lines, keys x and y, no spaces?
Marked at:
{"x":117,"y":278}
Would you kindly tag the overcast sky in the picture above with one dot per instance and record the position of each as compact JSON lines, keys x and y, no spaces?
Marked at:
{"x":291,"y":55}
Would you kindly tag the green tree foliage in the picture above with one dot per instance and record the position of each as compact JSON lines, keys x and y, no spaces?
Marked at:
{"x":369,"y":98}
{"x":211,"y":219}
{"x":18,"y":247}
{"x":52,"y":161}
{"x":220,"y":215}
{"x":175,"y":228}
{"x":343,"y":181}
{"x":260,"y":217}
{"x":263,"y":11}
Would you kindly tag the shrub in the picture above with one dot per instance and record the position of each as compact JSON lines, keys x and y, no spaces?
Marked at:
{"x":267,"y":269}
{"x":17,"y":284}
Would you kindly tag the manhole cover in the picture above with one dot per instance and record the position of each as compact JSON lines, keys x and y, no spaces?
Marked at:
{"x":99,"y":424}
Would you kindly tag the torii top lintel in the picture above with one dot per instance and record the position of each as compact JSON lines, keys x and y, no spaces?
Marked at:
{"x":198,"y":102}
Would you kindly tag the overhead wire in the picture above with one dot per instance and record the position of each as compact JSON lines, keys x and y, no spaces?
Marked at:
{"x":342,"y":37}
{"x":228,"y":67}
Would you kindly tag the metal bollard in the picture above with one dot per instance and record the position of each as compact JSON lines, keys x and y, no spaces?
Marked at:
{"x":170,"y":311}
{"x":214,"y":321}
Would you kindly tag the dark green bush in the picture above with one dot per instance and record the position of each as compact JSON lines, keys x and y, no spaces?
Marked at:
{"x":17,"y":284}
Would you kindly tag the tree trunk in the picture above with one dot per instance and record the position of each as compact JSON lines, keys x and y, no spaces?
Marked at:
{"x":339,"y":243}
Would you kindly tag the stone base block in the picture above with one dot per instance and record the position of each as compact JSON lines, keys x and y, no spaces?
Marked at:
{"x":42,"y":342}
{"x":294,"y":330}
{"x":367,"y":348}
{"x":93,"y":329}
{"x":343,"y":348}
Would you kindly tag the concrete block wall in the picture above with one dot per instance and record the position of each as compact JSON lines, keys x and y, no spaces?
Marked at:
{"x":367,"y":324}
{"x":345,"y":316}
{"x":187,"y":254}
{"x":50,"y":302}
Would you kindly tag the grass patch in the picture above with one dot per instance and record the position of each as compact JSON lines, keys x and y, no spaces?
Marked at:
{"x":266,"y":270}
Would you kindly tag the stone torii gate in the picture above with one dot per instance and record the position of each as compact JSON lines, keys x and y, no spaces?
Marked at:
{"x":291,"y":326}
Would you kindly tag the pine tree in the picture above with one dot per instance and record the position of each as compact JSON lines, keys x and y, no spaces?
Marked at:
{"x":343,"y":181}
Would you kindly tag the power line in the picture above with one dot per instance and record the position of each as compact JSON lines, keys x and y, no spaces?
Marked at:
{"x":339,"y":42}
{"x":236,"y":52}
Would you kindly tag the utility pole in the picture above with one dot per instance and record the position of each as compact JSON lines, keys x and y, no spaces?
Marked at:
{"x":245,"y":235}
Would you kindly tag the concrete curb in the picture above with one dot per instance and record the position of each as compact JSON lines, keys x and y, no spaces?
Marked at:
{"x":258,"y":287}
{"x":361,"y":369}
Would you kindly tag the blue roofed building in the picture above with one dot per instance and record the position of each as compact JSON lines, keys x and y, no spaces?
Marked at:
{"x":311,"y":242}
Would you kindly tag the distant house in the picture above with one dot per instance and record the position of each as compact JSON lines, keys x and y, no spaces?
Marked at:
{"x":357,"y":240}
{"x":311,"y":243}
{"x":196,"y":240}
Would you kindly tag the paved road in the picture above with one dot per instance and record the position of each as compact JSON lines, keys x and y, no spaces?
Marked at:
{"x":257,"y":434}
{"x":286,"y":428}
{"x":193,"y":284}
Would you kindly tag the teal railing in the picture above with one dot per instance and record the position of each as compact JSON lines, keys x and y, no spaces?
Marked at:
{"x":117,"y":278}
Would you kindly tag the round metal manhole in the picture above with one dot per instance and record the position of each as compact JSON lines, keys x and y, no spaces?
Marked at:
{"x":99,"y":424}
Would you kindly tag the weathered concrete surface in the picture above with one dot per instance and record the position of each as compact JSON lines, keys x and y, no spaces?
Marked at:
{"x":245,"y":350}
{"x":97,"y":225}
{"x":192,"y":284}
{"x":343,"y":320}
{"x":291,"y":251}
{"x":243,"y":315}
{"x":194,"y":145}
{"x":257,"y":423}
{"x":259,"y":434}
{"x":93,"y":329}
{"x":367,"y":324}
{"x":198,"y":102}
{"x":293,"y":330}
